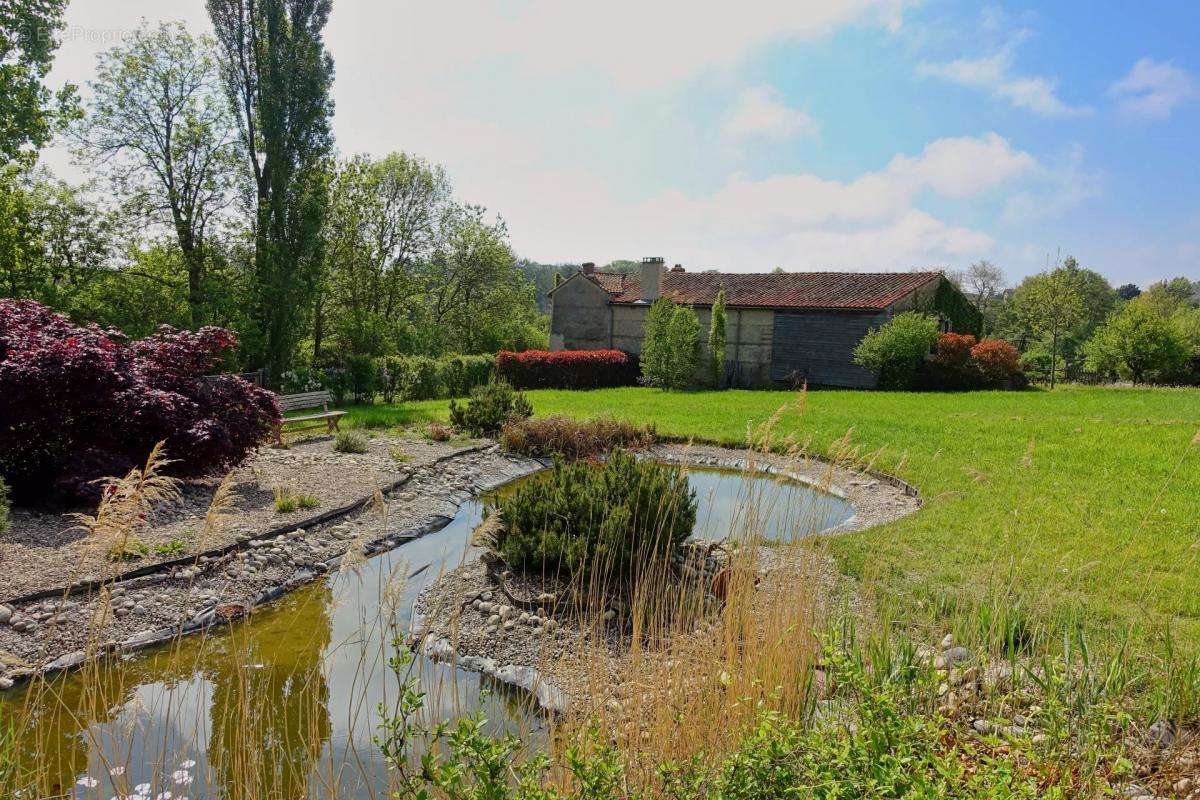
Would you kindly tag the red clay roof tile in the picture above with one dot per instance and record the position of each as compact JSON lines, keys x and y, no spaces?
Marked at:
{"x":850,"y":290}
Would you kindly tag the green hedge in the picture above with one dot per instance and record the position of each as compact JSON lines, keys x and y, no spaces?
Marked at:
{"x":424,"y":378}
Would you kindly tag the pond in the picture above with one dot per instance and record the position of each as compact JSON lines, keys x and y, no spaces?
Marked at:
{"x":292,"y":696}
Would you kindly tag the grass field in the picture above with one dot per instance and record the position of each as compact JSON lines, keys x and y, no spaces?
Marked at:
{"x":1046,"y":512}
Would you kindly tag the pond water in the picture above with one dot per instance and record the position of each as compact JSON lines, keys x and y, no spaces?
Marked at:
{"x":292,"y":695}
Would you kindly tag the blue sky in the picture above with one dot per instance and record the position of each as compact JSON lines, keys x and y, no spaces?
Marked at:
{"x":828,"y":134}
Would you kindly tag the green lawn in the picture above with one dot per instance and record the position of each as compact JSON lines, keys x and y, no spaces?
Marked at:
{"x":1043,"y":509}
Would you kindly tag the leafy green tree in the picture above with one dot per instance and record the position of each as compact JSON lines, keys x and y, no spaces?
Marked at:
{"x":1140,"y":344}
{"x":655,"y":353}
{"x":158,"y":127}
{"x":29,"y":111}
{"x":473,"y":297}
{"x":382,"y":225}
{"x":894,"y":351}
{"x":683,"y":348}
{"x":717,"y":334}
{"x":279,"y":76}
{"x":54,"y":241}
{"x":1051,"y":304}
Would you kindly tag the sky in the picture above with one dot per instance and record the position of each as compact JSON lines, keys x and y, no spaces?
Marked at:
{"x":804,"y":134}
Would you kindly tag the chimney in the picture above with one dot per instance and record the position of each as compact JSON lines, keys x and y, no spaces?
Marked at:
{"x":652,"y":272}
{"x":589,"y":268}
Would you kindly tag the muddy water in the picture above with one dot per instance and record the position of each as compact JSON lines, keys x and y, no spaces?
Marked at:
{"x":292,"y":696}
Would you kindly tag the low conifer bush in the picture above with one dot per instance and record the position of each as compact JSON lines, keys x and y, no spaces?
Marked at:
{"x":615,"y":520}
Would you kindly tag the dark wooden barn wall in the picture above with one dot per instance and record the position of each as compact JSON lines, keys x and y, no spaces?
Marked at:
{"x":818,"y":347}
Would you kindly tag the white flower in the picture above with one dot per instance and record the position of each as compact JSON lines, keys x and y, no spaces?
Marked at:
{"x":181,"y":777}
{"x":88,"y":783}
{"x":163,"y":796}
{"x":142,"y":788}
{"x":116,"y":771}
{"x":187,"y":764}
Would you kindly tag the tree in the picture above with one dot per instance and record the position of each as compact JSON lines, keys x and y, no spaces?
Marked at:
{"x":654,"y":355}
{"x":160,"y":130}
{"x":717,"y":334}
{"x":30,"y":112}
{"x":473,"y":297}
{"x":381,"y":227}
{"x":1138,"y":343}
{"x":279,"y":75}
{"x":54,"y":241}
{"x":1051,"y":303}
{"x":1128,"y":291}
{"x":985,"y":281}
{"x":682,"y":348}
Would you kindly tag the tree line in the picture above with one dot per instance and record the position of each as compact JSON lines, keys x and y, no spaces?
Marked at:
{"x":218,"y":198}
{"x":1070,"y":323}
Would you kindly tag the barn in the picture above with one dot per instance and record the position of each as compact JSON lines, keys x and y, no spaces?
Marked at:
{"x":784,"y":328}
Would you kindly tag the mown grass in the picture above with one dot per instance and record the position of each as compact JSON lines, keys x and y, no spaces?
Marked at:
{"x":1045,"y":512}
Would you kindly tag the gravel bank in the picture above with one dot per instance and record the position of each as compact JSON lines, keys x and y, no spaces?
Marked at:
{"x":130,"y":614}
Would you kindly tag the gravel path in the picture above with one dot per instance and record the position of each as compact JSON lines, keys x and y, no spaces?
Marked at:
{"x":41,"y":552}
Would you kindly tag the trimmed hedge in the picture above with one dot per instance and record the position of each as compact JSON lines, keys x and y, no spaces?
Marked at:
{"x":567,"y":369}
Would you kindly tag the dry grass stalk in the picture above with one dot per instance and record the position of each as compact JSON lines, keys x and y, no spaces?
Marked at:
{"x":125,"y":505}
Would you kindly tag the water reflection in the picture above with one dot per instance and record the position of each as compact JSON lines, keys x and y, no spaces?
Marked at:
{"x":287,"y":705}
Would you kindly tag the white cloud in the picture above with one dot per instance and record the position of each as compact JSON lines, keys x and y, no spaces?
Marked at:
{"x":637,"y":43}
{"x":796,"y":220}
{"x":995,"y":74}
{"x":1153,"y":89}
{"x":762,"y":112}
{"x":1060,"y":185}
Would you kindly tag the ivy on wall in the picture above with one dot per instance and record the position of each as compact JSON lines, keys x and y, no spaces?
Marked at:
{"x":953,"y":305}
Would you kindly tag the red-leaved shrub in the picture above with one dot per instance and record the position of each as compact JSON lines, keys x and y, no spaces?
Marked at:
{"x":78,"y":404}
{"x":953,"y":350}
{"x":997,"y":360}
{"x":567,"y":369}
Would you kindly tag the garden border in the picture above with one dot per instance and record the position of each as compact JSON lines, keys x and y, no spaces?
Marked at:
{"x":83,"y":587}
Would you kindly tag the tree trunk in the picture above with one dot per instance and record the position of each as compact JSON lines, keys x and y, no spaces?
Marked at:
{"x":1053,"y":360}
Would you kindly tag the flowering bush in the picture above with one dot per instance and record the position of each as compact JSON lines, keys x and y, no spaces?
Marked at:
{"x":997,"y":360}
{"x":567,"y":369}
{"x":83,"y":403}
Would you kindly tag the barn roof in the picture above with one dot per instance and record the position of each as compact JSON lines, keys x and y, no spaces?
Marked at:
{"x":799,"y":290}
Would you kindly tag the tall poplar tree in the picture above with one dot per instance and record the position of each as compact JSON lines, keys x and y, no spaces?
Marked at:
{"x":279,"y":76}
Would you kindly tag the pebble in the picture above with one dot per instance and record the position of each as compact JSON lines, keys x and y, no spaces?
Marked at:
{"x":948,"y":641}
{"x":6,"y":615}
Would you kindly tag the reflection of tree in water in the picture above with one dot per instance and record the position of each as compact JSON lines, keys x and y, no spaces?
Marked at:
{"x":269,"y":715}
{"x":67,"y":717}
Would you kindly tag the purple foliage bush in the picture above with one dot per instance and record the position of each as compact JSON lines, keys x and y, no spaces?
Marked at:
{"x":82,"y":403}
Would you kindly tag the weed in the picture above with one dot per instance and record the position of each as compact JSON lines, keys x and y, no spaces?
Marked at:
{"x":351,"y":442}
{"x":173,"y":547}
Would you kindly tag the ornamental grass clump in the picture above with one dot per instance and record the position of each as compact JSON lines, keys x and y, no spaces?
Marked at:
{"x":611,"y":522}
{"x":571,"y":440}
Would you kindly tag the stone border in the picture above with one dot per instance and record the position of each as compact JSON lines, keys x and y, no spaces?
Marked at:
{"x":847,"y":484}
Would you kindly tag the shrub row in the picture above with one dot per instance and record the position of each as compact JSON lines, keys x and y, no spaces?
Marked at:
{"x":84,"y":403}
{"x":567,"y":369}
{"x":960,"y":361}
{"x":361,"y":378}
{"x":570,"y":439}
{"x":612,"y":522}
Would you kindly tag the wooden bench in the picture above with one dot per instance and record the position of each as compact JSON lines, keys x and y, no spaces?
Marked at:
{"x":296,"y":402}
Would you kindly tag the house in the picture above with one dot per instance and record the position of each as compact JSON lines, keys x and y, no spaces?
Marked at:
{"x":784,"y":328}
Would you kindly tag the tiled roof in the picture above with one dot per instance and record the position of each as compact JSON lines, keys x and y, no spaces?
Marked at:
{"x":851,"y":290}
